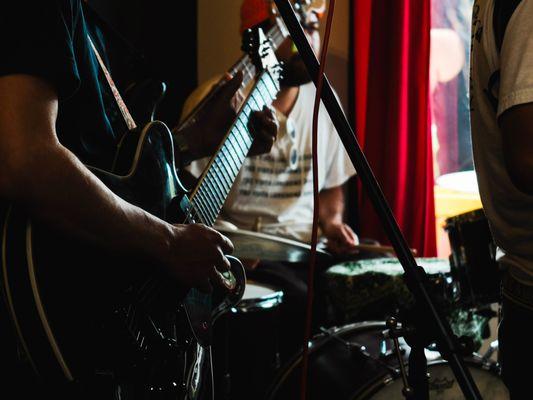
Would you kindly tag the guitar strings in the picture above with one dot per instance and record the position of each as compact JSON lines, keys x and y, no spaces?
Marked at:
{"x":201,"y":204}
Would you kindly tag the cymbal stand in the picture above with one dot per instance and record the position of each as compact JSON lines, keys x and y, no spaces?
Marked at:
{"x":429,"y":323}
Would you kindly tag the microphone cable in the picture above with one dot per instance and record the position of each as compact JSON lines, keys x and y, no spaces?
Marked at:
{"x":316,"y":205}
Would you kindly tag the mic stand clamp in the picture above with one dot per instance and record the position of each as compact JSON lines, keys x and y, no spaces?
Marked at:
{"x":415,"y":382}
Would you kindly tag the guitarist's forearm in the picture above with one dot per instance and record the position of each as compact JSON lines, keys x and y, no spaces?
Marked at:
{"x":58,"y":189}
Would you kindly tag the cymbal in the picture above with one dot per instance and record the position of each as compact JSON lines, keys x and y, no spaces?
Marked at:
{"x":257,"y":245}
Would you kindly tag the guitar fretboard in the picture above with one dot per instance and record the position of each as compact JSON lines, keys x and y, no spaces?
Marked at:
{"x":215,"y":184}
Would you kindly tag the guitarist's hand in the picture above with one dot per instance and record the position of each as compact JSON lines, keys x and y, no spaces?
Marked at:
{"x":264,"y":126}
{"x":206,"y":131}
{"x":194,"y":252}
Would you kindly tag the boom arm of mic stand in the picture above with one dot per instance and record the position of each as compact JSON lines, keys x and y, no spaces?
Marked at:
{"x":414,"y":280}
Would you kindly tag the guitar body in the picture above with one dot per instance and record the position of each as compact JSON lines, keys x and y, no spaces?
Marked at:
{"x":81,"y":313}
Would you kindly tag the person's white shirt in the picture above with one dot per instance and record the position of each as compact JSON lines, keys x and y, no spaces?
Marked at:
{"x":273,"y":193}
{"x":509,"y":211}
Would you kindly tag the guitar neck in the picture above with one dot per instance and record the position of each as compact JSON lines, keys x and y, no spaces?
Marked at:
{"x":207,"y":199}
{"x":277,"y":34}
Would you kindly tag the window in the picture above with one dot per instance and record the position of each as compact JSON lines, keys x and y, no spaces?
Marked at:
{"x":455,"y":184}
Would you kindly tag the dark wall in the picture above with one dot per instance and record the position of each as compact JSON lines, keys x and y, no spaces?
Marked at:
{"x":164,"y":34}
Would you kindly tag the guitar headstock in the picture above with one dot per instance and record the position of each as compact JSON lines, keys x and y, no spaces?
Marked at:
{"x":259,"y":48}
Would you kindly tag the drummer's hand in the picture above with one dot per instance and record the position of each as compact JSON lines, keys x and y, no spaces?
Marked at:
{"x":341,"y":238}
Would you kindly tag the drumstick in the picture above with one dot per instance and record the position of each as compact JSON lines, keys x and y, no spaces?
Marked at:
{"x":377,"y":248}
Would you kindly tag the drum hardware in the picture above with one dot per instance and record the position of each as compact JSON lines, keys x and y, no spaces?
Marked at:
{"x":336,"y":374}
{"x":395,"y":330}
{"x":360,"y":352}
{"x":356,"y":349}
{"x":486,"y":358}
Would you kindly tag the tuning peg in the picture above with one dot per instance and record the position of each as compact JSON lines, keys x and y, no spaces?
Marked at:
{"x":247,"y":41}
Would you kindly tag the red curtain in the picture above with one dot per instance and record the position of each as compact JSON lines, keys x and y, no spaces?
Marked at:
{"x":392,"y":43}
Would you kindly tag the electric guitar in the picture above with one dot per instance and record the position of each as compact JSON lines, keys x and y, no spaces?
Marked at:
{"x":81,"y":313}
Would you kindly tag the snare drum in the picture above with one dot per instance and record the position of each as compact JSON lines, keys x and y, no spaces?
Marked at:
{"x":374,"y":289}
{"x":369,"y":288}
{"x":473,"y":258}
{"x":340,"y":373}
{"x":245,"y":351}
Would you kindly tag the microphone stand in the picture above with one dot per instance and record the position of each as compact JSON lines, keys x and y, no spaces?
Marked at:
{"x":427,"y":323}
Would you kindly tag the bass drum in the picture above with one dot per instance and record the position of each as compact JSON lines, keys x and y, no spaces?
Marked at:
{"x":338,"y":370}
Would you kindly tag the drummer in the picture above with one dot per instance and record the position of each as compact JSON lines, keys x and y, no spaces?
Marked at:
{"x":273,"y":193}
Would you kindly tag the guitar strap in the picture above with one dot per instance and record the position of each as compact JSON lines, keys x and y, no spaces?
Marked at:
{"x":130,"y":123}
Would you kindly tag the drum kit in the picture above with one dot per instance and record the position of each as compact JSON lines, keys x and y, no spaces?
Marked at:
{"x":355,"y":358}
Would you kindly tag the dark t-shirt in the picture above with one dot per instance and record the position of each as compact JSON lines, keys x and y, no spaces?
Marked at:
{"x":48,"y":39}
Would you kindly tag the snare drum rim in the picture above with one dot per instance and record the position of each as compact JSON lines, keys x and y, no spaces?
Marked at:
{"x":257,"y":304}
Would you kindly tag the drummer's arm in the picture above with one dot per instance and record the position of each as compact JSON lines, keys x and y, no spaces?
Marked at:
{"x":341,"y":238}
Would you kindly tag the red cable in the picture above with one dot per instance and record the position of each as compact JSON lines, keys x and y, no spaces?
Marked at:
{"x":316,"y":205}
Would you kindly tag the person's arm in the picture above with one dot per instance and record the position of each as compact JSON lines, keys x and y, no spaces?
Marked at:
{"x":202,"y":135}
{"x":39,"y":173}
{"x":517,"y":142}
{"x":341,"y":238}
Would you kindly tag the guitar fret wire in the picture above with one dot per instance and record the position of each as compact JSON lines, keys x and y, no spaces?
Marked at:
{"x":213,"y":189}
{"x":265,"y":87}
{"x":272,"y":87}
{"x":202,"y":209}
{"x":250,"y":100}
{"x":271,"y":84}
{"x":219,"y":195}
{"x":224,"y":176}
{"x":204,"y":197}
{"x":236,"y":162}
{"x":209,"y":195}
{"x":264,"y":93}
{"x":208,"y":198}
{"x":226,"y":171}
{"x":216,"y":194}
{"x":245,"y":135}
{"x":255,"y":94}
{"x":235,"y":145}
{"x":199,"y":208}
{"x":241,"y":142}
{"x":221,"y":181}
{"x":226,"y":185}
{"x":218,"y":183}
{"x":230,"y":160}
{"x":246,"y":111}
